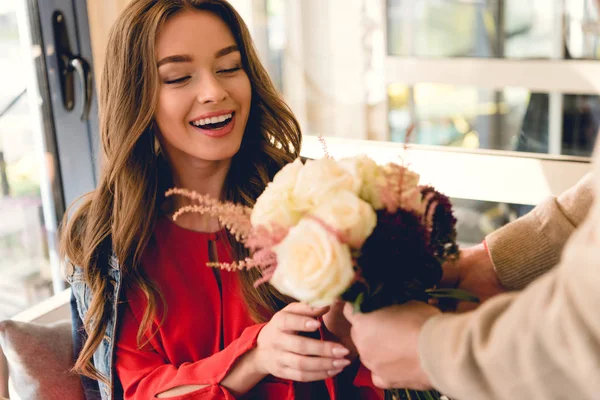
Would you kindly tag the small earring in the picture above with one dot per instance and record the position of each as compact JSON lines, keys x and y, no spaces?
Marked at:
{"x":157,"y":148}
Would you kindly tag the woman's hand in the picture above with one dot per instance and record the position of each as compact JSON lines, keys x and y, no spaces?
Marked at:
{"x":281,"y":352}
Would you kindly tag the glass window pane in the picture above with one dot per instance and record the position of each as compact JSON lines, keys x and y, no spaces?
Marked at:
{"x":491,"y":28}
{"x":469,"y":117}
{"x":477,"y":219}
{"x":25,"y":273}
{"x":276,"y":41}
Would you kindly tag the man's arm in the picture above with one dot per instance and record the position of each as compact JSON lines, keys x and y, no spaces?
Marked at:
{"x":541,"y":343}
{"x":530,"y":246}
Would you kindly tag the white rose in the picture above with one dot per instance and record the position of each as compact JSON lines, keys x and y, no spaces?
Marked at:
{"x":288,"y":175}
{"x":349,"y":215}
{"x":312,"y":265}
{"x":317,"y":180}
{"x":275,"y":207}
{"x":369,"y":178}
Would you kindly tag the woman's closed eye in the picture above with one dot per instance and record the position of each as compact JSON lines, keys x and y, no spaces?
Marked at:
{"x":183,"y":79}
{"x":229,"y":70}
{"x":177,"y":80}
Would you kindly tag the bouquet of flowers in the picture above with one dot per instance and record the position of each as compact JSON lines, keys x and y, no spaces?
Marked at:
{"x":351,"y":229}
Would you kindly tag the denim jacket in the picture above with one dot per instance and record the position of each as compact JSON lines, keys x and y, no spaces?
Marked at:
{"x":104,"y":356}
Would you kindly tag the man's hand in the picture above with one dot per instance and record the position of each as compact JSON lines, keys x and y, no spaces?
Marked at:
{"x":474,"y":272}
{"x":337,"y":324}
{"x":387,"y":342}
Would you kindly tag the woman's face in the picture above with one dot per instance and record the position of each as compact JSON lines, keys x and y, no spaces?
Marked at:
{"x":205,"y":94}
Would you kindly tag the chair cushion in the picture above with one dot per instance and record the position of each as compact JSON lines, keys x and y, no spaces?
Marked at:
{"x":39,"y":360}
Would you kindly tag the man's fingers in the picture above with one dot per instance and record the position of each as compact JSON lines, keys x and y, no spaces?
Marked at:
{"x":379,"y":382}
{"x":466,"y":306}
{"x":349,"y":313}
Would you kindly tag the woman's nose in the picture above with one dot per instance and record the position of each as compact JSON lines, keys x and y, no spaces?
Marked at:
{"x":210,"y":90}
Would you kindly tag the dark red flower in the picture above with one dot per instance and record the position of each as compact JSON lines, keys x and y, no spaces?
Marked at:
{"x":395,"y":262}
{"x":443,"y":234}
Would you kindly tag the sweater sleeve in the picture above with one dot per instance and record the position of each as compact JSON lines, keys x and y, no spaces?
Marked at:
{"x":528,"y":247}
{"x":145,"y":372}
{"x":541,"y":343}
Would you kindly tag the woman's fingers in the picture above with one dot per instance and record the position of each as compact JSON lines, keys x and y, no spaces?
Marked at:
{"x":303,"y":376}
{"x":290,"y":322}
{"x":299,"y":317}
{"x":286,"y":353}
{"x":305,"y":309}
{"x":312,"y":364}
{"x":311,"y":347}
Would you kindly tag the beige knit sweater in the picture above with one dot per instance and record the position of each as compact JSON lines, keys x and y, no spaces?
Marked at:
{"x":543,"y":342}
{"x":530,"y":246}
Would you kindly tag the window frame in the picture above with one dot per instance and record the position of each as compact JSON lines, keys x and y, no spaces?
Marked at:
{"x":487,"y":175}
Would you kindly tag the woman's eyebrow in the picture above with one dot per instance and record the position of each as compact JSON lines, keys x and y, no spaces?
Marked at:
{"x":179,"y":58}
{"x":183,"y":58}
{"x":227,"y":50}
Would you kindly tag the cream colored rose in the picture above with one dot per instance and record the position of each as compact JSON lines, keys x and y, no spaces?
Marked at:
{"x":369,"y":178}
{"x":275,"y":207}
{"x":312,"y":265}
{"x":288,"y":175}
{"x":348,"y":214}
{"x":319,"y":179}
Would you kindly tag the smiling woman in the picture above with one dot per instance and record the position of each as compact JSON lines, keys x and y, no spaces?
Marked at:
{"x":186,"y":102}
{"x":200,"y":81}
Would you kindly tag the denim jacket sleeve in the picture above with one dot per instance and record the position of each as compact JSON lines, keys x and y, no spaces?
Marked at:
{"x":90,"y":386}
{"x":102,"y":358}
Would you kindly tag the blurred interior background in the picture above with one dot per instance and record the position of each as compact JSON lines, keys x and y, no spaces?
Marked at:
{"x":501,"y":97}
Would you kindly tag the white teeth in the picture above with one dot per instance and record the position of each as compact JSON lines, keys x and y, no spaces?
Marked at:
{"x":213,"y":120}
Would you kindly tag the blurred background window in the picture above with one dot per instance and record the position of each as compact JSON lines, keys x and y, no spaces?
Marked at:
{"x":25,"y":273}
{"x":512,"y":119}
{"x":500,"y":97}
{"x":472,"y":75}
{"x":48,"y":141}
{"x":491,"y":28}
{"x":340,"y":65}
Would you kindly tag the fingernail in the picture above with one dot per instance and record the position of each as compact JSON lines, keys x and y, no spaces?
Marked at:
{"x":313,"y":324}
{"x":334,"y":372}
{"x":340,"y":351}
{"x":341,"y":363}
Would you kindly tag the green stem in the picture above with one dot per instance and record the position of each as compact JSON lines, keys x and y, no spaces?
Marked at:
{"x":454,"y":294}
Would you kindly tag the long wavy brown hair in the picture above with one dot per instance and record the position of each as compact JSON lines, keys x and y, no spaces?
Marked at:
{"x":120,"y":215}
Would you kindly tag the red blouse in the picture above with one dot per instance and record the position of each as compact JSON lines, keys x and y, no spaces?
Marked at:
{"x":206,"y":329}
